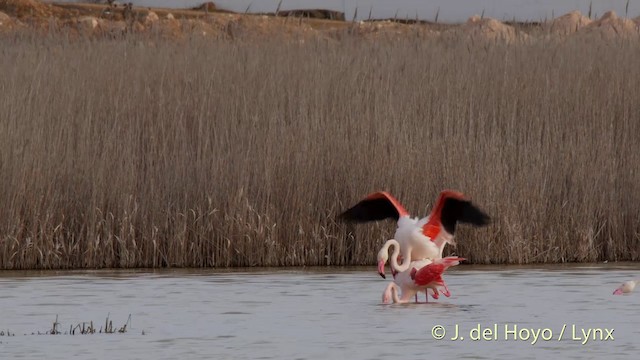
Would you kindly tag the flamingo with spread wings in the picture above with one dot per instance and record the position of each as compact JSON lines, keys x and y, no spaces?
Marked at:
{"x":418,"y":238}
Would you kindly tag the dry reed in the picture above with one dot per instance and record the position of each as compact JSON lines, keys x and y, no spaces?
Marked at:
{"x":139,"y":153}
{"x":84,"y":328}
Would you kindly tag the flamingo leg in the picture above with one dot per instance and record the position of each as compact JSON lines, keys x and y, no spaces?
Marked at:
{"x":435,"y":294}
{"x":446,"y":291}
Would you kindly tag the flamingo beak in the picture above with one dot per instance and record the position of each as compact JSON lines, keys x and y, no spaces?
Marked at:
{"x":381,"y":268}
{"x":618,"y":292}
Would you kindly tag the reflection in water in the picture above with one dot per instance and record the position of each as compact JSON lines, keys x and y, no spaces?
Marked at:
{"x":329,"y":313}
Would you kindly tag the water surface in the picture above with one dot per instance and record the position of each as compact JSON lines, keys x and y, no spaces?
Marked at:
{"x":317,"y":314}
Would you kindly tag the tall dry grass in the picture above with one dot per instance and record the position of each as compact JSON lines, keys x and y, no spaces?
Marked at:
{"x":135,"y":153}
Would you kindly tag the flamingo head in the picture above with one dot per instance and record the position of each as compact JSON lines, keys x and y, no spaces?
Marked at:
{"x":381,"y":268}
{"x":383,"y":256}
{"x":626,"y":287}
{"x":618,"y":291}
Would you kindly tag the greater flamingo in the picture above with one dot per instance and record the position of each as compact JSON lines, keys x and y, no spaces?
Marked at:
{"x":383,"y":256}
{"x":626,"y":287}
{"x":403,"y":284}
{"x":422,"y":276}
{"x":418,"y":238}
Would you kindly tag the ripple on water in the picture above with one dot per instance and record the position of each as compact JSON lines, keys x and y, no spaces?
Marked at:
{"x":235,"y":313}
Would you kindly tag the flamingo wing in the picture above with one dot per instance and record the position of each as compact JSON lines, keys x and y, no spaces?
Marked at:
{"x":433,"y":272}
{"x":428,"y":274}
{"x":462,"y":211}
{"x":452,"y":208}
{"x":376,"y":206}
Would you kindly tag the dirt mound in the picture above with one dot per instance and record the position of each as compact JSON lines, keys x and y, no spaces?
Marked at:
{"x":611,"y":26}
{"x":567,"y":23}
{"x":28,"y":8}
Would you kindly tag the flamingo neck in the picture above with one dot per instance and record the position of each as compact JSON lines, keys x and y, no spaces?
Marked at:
{"x":394,"y":257}
{"x":394,"y":293}
{"x":384,"y":252}
{"x":440,"y":241}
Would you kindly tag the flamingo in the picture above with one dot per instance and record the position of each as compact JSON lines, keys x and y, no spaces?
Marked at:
{"x":418,"y":238}
{"x":422,"y":276}
{"x":626,"y":287}
{"x":383,"y":256}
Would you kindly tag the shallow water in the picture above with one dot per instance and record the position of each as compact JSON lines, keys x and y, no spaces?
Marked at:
{"x":318,"y":313}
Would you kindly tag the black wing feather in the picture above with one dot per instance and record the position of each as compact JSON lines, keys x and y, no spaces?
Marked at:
{"x":370,"y":210}
{"x":463,"y":211}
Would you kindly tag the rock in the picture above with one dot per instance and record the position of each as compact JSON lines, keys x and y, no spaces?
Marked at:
{"x":87,"y":23}
{"x":151,"y":18}
{"x":488,"y":29}
{"x":567,"y":23}
{"x":611,"y":26}
{"x":170,"y":16}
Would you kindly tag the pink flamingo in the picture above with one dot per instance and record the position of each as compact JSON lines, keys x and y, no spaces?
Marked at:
{"x":422,"y":276}
{"x":626,"y":287}
{"x":418,"y":238}
{"x":383,"y":256}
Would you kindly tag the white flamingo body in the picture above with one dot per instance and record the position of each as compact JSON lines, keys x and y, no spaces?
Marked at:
{"x":413,"y":244}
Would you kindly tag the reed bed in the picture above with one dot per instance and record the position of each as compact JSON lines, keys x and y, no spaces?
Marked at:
{"x":140,"y":153}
